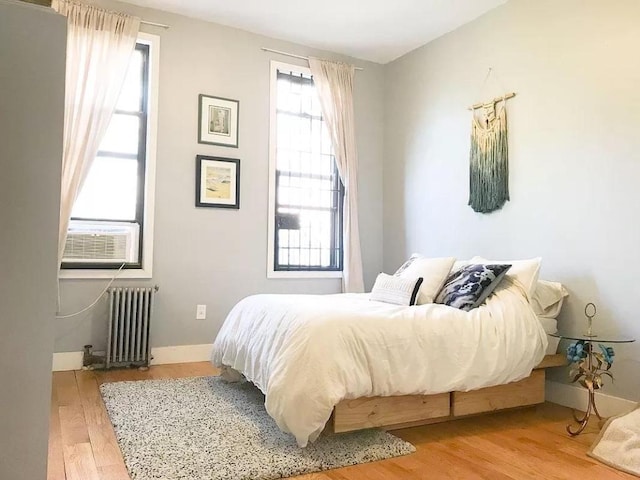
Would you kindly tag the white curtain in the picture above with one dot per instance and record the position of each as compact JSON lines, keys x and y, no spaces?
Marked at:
{"x":99,"y":47}
{"x":334,"y":83}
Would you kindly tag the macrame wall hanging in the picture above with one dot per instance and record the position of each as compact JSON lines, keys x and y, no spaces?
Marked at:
{"x":489,"y":156}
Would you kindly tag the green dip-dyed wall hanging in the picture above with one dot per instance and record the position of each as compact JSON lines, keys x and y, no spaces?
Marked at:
{"x":489,"y":156}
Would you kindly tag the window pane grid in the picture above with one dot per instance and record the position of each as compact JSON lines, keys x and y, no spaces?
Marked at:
{"x":123,"y":156}
{"x":298,"y":115}
{"x":115,"y":185}
{"x":131,"y":113}
{"x":133,"y":89}
{"x":308,"y":233}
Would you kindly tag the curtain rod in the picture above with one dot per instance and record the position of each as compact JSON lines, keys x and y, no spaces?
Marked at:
{"x":302,"y":57}
{"x":154,"y":24}
{"x":47,"y":3}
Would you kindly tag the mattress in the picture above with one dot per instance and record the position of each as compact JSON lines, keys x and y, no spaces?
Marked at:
{"x":550,"y":325}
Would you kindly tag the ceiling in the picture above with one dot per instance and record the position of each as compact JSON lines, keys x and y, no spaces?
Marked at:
{"x":375,"y":30}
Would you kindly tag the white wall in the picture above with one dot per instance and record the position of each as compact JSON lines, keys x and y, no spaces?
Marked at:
{"x":574,"y":153}
{"x":218,"y":256}
{"x":32,"y":52}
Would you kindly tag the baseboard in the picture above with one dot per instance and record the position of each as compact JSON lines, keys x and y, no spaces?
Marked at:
{"x":181,"y":354}
{"x":576,"y":397}
{"x":160,"y":356}
{"x":65,"y":361}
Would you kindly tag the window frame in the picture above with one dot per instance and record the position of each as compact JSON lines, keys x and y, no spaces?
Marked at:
{"x":142,"y":269}
{"x":271,"y":230}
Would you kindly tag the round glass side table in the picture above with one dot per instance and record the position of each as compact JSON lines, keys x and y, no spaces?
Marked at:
{"x":588,"y":367}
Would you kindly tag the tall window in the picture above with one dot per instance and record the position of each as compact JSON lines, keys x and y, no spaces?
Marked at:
{"x":107,"y":227}
{"x":306,"y":189}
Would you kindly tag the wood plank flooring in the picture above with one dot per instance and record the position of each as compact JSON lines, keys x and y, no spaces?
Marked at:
{"x":522,"y":444}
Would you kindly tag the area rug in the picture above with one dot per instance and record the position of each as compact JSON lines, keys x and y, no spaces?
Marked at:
{"x":618,"y":444}
{"x":206,"y":429}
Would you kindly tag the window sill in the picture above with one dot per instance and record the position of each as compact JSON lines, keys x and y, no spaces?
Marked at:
{"x":70,"y":273}
{"x":295,"y":274}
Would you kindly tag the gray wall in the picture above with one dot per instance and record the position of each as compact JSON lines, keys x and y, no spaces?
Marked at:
{"x":574,"y":153}
{"x":218,"y":256}
{"x":32,"y":49}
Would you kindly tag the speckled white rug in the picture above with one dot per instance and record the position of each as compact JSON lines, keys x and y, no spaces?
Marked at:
{"x":206,"y":429}
{"x":618,"y":444}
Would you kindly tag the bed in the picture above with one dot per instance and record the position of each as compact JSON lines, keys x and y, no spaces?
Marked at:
{"x":345,"y":362}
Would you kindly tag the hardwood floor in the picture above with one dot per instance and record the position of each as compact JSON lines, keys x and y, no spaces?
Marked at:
{"x":522,"y":444}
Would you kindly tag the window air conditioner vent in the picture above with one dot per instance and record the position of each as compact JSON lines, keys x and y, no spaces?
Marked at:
{"x":101,"y":243}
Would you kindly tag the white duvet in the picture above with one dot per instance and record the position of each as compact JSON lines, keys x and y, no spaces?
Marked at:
{"x":308,"y":352}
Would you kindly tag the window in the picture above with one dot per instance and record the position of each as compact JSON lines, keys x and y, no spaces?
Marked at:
{"x":111,"y":221}
{"x":305,"y":214}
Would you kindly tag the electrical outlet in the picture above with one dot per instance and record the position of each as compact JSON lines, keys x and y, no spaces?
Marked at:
{"x":201,"y":312}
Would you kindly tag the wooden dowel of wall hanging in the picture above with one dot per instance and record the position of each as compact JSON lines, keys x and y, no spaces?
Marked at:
{"x":507,"y":96}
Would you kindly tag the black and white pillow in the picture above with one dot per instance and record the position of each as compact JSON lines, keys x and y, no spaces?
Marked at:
{"x":396,"y":290}
{"x":468,"y":287}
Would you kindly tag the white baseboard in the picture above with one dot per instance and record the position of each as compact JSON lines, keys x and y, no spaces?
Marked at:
{"x":160,"y":356}
{"x":576,"y":397}
{"x":65,"y":361}
{"x":181,"y":354}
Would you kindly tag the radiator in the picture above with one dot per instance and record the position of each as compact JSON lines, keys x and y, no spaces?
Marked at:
{"x":130,"y":315}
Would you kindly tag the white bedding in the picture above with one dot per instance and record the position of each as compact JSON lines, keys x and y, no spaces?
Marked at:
{"x":308,"y":352}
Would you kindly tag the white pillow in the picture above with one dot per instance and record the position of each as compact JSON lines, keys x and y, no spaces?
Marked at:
{"x":396,"y":290}
{"x":434,"y":272}
{"x":548,"y":299}
{"x":458,"y":264}
{"x":525,"y":272}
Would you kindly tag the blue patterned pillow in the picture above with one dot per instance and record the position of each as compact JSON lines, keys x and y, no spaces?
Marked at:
{"x":470,"y":286}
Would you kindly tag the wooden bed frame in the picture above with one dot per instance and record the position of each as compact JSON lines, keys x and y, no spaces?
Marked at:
{"x":392,"y":413}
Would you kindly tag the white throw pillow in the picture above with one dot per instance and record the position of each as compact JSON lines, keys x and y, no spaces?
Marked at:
{"x":525,"y":272}
{"x":396,"y":290}
{"x":434,"y":272}
{"x":458,"y":264}
{"x":548,"y":299}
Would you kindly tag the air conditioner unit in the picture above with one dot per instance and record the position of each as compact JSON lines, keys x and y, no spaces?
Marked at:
{"x":101,"y":242}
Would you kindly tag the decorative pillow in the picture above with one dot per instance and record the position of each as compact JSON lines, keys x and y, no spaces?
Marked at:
{"x":525,"y":272}
{"x":396,"y":290}
{"x":548,"y":299}
{"x":406,"y":264}
{"x":470,"y":286}
{"x":458,"y":264}
{"x":434,"y":272}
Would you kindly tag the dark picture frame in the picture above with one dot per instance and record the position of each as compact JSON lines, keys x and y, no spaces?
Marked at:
{"x":217,"y":182}
{"x":218,"y":121}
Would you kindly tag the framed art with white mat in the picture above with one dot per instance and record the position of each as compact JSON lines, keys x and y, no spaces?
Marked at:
{"x":217,"y":182}
{"x":218,"y":121}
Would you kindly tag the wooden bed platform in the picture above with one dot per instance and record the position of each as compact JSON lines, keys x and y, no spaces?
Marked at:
{"x":391,"y":413}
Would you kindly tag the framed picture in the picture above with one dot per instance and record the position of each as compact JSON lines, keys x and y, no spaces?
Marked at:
{"x":218,"y":121}
{"x":217,"y":182}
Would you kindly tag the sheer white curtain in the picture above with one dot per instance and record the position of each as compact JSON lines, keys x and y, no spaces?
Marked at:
{"x":334,"y":83}
{"x":99,"y":47}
